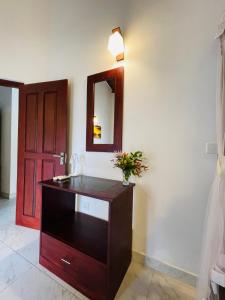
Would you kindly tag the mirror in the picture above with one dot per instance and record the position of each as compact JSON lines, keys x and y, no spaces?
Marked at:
{"x":104,"y":111}
{"x":104,"y":107}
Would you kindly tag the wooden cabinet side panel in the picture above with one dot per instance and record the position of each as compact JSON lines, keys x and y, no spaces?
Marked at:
{"x":222,"y":292}
{"x":120,"y":240}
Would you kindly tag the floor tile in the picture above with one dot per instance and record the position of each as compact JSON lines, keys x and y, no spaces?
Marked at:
{"x":143,"y":283}
{"x":7,"y":202}
{"x":12,"y":266}
{"x":36,"y":285}
{"x":17,"y":237}
{"x":62,"y":283}
{"x":31,"y":252}
{"x":135,"y":284}
{"x":7,"y":213}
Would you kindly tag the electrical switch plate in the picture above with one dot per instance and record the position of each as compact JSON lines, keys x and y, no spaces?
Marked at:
{"x":211,"y":148}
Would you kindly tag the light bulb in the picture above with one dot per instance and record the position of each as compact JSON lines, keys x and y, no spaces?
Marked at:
{"x":116,"y":44}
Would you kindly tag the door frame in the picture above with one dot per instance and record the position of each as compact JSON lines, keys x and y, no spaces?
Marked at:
{"x":12,"y":84}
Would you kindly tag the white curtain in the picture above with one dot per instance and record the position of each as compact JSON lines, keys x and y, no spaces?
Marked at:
{"x":213,"y":249}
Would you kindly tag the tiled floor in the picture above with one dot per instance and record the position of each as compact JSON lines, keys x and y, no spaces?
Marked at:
{"x":22,"y":278}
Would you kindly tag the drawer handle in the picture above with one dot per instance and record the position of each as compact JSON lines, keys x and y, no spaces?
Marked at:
{"x":65,"y":261}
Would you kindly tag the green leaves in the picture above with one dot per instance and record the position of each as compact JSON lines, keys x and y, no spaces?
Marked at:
{"x":130,"y":163}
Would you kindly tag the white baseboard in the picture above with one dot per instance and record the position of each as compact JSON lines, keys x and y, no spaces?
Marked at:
{"x":163,"y":267}
{"x":7,"y":195}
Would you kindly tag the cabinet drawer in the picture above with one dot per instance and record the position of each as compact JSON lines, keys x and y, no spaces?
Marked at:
{"x":87,"y":274}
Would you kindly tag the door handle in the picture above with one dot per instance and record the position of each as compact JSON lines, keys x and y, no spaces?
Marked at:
{"x":62,"y":158}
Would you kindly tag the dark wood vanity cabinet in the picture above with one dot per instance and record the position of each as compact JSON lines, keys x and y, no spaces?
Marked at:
{"x":89,"y":253}
{"x":221,"y":293}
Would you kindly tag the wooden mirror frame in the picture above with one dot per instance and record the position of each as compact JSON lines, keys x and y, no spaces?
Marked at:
{"x":118,"y":74}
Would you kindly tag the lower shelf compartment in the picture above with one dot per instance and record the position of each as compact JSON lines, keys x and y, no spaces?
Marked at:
{"x":77,"y":269}
{"x":82,"y":232}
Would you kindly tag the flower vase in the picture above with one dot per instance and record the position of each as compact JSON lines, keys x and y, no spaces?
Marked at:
{"x":126,"y":179}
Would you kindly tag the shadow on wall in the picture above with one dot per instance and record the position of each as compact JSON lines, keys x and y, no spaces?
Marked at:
{"x":141,"y":218}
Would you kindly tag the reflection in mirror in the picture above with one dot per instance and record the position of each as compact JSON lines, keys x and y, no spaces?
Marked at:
{"x":104,"y":107}
{"x":105,"y":111}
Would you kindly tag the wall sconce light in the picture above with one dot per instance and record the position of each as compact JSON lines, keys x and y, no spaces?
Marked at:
{"x":116,"y":44}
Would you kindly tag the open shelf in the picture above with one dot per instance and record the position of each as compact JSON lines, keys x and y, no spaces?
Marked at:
{"x":82,"y":232}
{"x":90,"y":254}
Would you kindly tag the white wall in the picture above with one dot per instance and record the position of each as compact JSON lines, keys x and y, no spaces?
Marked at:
{"x":24,"y":28}
{"x":170,"y":86}
{"x":79,"y":34}
{"x":79,"y":48}
{"x":170,"y":94}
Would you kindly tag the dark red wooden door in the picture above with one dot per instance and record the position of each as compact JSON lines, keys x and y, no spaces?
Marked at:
{"x":42,"y":138}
